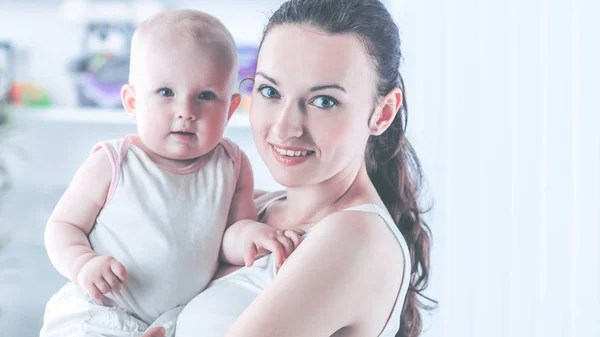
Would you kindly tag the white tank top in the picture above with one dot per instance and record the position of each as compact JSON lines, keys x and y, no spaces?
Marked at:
{"x":164,"y":225}
{"x":215,"y":310}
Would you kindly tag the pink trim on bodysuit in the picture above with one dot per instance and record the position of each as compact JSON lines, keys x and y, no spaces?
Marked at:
{"x":234,"y":153}
{"x":124,"y":147}
{"x":193,"y":167}
{"x":116,"y":160}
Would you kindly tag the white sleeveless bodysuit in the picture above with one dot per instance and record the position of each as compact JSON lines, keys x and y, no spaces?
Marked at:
{"x":164,"y":225}
{"x":214,"y":311}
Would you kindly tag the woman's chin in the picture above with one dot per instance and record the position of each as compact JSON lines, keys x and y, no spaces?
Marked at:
{"x":289,"y":180}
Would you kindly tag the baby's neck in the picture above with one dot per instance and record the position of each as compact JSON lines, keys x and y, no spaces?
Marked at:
{"x":163,"y":161}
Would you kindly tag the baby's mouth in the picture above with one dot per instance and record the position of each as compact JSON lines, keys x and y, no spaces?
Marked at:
{"x":183,"y":136}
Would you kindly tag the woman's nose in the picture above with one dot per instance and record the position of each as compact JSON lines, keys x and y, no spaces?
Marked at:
{"x":288,"y":123}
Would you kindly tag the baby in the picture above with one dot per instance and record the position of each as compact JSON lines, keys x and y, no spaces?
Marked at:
{"x":143,"y":225}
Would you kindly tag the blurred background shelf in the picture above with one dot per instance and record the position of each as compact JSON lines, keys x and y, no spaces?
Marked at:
{"x":95,"y":116}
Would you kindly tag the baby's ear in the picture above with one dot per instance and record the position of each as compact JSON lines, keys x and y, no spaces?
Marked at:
{"x":128,"y":98}
{"x":236,"y":99}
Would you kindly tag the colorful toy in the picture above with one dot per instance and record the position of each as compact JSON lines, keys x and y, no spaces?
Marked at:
{"x":103,"y":68}
{"x":29,"y":95}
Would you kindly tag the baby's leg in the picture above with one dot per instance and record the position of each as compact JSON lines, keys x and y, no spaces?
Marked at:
{"x":73,"y":313}
{"x":168,"y":321}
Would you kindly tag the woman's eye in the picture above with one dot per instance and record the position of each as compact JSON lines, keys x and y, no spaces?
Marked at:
{"x":268,"y":92}
{"x":324,"y":102}
{"x":207,"y":95}
{"x":166,"y":92}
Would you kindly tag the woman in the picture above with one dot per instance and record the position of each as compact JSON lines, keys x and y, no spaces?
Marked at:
{"x":327,"y":118}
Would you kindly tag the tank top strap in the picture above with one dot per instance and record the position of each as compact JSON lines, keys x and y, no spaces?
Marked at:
{"x":393,"y":324}
{"x":263,"y":201}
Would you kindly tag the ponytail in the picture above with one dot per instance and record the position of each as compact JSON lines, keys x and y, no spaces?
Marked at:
{"x":395,"y":171}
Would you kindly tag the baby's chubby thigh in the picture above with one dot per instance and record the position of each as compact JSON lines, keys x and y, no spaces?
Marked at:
{"x":73,"y":313}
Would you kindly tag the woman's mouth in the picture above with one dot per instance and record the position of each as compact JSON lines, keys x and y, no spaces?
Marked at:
{"x":291,"y":153}
{"x":290,"y":156}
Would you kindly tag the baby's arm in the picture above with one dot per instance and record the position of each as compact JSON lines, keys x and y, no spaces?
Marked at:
{"x":73,"y":217}
{"x":246,"y":239}
{"x":242,"y":205}
{"x":241,"y":213}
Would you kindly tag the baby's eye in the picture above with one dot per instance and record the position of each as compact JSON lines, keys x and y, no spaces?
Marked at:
{"x":268,"y":92}
{"x":207,"y":95}
{"x":324,"y":102}
{"x":166,"y":92}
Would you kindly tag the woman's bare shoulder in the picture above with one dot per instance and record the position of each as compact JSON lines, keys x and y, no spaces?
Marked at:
{"x":370,"y":255}
{"x":365,"y":231}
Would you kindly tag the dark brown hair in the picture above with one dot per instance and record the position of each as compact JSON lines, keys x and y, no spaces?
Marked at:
{"x":392,"y":164}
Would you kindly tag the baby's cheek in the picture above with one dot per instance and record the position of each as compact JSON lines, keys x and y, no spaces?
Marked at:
{"x":155,"y":127}
{"x":212,"y":129}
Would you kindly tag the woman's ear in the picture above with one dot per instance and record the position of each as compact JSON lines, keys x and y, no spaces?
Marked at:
{"x":385,"y":112}
{"x":128,"y":99}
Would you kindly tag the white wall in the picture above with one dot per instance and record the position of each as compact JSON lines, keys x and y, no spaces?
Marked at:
{"x":45,"y":45}
{"x":503,"y":115}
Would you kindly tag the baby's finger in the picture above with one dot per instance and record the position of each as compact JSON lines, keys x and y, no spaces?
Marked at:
{"x":93,"y":291}
{"x":298,"y":230}
{"x":158,"y":331}
{"x":294,"y":236}
{"x":286,"y":243}
{"x":119,"y":270}
{"x":112,"y":280}
{"x":262,"y":252}
{"x":275,"y":247}
{"x":250,"y":255}
{"x":102,"y":286}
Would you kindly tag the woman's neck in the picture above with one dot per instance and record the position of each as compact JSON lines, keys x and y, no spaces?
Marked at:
{"x":310,"y":204}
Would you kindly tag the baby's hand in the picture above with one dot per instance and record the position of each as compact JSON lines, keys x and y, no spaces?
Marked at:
{"x":158,"y":331}
{"x":101,"y":275}
{"x":263,"y":239}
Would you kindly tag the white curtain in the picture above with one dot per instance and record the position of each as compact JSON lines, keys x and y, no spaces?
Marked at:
{"x":504,"y":112}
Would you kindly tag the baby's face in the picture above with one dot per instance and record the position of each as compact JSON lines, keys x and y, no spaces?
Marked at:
{"x":182,"y":96}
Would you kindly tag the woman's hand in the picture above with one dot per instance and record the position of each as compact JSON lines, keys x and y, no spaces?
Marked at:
{"x":158,"y":331}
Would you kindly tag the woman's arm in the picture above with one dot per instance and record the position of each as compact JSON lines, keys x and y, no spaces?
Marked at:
{"x":334,"y":280}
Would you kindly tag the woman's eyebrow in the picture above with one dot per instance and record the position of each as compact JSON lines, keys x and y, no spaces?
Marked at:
{"x":316,"y":88}
{"x":328,"y":86}
{"x":269,"y":78}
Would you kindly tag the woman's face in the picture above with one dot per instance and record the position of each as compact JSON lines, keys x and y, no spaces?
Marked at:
{"x":312,"y":99}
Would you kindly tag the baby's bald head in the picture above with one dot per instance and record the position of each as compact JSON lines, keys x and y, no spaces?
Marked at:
{"x":172,"y":28}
